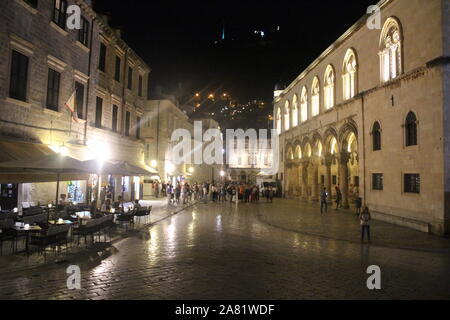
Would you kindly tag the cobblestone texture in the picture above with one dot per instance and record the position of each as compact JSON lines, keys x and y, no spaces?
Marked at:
{"x":220,"y":251}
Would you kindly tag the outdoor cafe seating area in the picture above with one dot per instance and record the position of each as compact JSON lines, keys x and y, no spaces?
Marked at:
{"x":60,"y":226}
{"x":43,"y":228}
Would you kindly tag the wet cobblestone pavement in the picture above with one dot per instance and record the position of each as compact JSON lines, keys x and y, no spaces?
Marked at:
{"x":220,"y":251}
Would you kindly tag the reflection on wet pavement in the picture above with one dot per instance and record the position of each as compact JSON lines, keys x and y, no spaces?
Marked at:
{"x":221,"y":251}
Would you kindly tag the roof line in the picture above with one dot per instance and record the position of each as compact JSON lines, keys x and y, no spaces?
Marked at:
{"x":331,"y":48}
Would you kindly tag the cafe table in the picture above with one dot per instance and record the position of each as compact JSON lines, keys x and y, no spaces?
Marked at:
{"x":27,"y":231}
{"x":63,"y":223}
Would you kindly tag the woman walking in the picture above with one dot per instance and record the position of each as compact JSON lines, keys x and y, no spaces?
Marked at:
{"x":364,"y":219}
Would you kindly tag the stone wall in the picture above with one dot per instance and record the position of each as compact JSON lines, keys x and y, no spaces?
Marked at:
{"x":422,"y":88}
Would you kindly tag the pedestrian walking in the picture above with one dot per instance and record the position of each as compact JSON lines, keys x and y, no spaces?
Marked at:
{"x":338,"y":197}
{"x":358,"y":205}
{"x":364,"y":219}
{"x":271,"y":194}
{"x":324,"y":201}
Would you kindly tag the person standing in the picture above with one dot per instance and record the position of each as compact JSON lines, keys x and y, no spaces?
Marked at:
{"x":364,"y":219}
{"x":157,"y":189}
{"x":338,"y":197}
{"x":358,"y":205}
{"x":324,"y":201}
{"x":271,"y":194}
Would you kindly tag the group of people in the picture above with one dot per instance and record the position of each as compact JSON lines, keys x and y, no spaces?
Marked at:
{"x":185,"y":193}
{"x":353,"y":195}
{"x":364,"y":216}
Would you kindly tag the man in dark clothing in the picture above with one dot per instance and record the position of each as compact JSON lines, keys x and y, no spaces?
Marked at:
{"x":323,"y":200}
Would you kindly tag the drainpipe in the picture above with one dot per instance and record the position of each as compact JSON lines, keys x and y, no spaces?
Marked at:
{"x":157,"y":132}
{"x":364,"y":148}
{"x":124,"y":85}
{"x":89,"y":83}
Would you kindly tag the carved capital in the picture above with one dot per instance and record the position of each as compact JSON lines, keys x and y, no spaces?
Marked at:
{"x":344,"y":157}
{"x":329,"y":159}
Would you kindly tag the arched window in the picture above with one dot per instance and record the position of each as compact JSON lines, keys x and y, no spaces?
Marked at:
{"x":287,"y":116}
{"x":411,"y":129}
{"x":349,"y":74}
{"x":279,"y":121}
{"x":376,"y":136}
{"x":294,"y":111}
{"x":391,"y":50}
{"x":304,"y":105}
{"x":329,"y":88}
{"x":315,"y":97}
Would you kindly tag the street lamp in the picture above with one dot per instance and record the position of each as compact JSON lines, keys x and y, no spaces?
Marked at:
{"x":191,"y":170}
{"x":63,"y":151}
{"x":153,"y":163}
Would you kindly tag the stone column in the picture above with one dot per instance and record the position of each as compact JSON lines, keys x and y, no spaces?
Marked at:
{"x":315,"y":183}
{"x":328,"y":163}
{"x":305,"y":181}
{"x":343,"y":175}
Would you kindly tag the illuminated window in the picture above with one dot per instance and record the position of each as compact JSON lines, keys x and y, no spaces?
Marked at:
{"x":391,"y":50}
{"x":279,"y":121}
{"x":349,"y":74}
{"x":295,"y":111}
{"x":329,"y":88}
{"x":304,"y":105}
{"x":287,"y":116}
{"x":315,"y":97}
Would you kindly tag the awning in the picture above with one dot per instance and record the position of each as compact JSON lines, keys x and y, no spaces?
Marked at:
{"x":15,"y":178}
{"x":137,"y":169}
{"x":21,"y":152}
{"x":105,"y":168}
{"x":15,"y":150}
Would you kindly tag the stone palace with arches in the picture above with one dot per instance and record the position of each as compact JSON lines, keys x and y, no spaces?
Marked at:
{"x":371,"y":115}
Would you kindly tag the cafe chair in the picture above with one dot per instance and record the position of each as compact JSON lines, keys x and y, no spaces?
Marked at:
{"x":7,"y":234}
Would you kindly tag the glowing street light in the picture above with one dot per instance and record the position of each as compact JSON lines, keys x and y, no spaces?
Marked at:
{"x":153,"y":163}
{"x":191,"y":170}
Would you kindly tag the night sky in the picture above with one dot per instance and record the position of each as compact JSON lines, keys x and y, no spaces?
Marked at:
{"x":178,"y":40}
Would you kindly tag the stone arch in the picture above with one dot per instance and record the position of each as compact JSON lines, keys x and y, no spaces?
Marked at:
{"x":329,"y":87}
{"x":391,"y":22}
{"x":289,"y":152}
{"x":391,"y":49}
{"x":317,"y":145}
{"x":307,"y":153}
{"x":350,"y":74}
{"x":345,"y":132}
{"x":287,"y":115}
{"x":330,"y":140}
{"x":298,"y":152}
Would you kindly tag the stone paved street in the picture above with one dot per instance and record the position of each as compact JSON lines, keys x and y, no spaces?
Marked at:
{"x":261,"y":251}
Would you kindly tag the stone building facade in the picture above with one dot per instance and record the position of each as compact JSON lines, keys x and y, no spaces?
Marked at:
{"x":43,"y":63}
{"x":162,"y":118}
{"x":246,"y":162}
{"x":371,"y":115}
